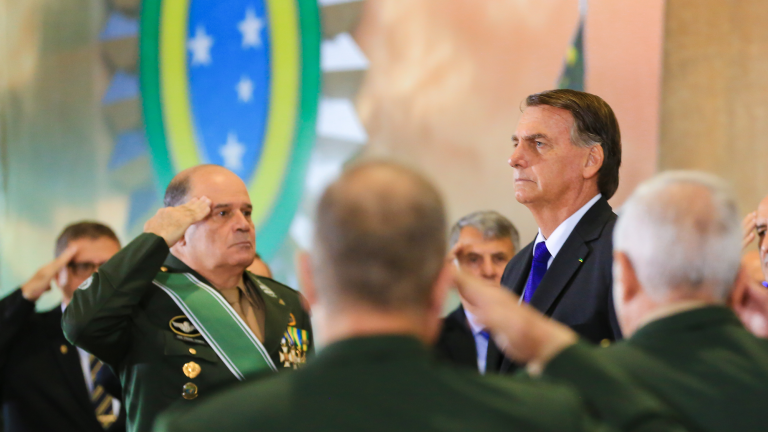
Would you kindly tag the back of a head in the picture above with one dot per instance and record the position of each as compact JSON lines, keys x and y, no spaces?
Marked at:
{"x":379,"y":238}
{"x":682,"y":233}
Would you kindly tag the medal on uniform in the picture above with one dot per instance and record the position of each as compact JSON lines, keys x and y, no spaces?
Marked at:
{"x":191,"y":369}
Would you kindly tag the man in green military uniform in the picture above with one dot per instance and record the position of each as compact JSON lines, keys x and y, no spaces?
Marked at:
{"x":176,"y":325}
{"x":677,"y":251}
{"x":376,"y":281}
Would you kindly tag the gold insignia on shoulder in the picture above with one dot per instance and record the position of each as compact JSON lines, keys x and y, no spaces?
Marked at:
{"x":191,"y":369}
{"x":281,"y":302}
{"x":189,"y":391}
{"x":181,"y":325}
{"x":163,"y":269}
{"x":64,"y":349}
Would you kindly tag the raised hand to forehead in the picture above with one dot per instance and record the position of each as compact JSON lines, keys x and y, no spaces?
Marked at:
{"x":171,"y":223}
{"x":41,"y":281}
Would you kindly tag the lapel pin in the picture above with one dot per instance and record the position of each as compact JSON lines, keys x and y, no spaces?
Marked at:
{"x":581,"y":260}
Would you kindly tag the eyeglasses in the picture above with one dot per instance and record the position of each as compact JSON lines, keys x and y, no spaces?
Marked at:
{"x":84,"y":268}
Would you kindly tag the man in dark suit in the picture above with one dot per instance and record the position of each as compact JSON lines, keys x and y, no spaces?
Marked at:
{"x":480,"y":243}
{"x":677,"y":245}
{"x":376,"y":281}
{"x":176,"y":314}
{"x":45,"y":382}
{"x":566,"y":162}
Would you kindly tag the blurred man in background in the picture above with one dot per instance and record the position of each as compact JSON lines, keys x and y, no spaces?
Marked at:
{"x":45,"y":382}
{"x":677,"y":246}
{"x":377,"y":280}
{"x":481,"y":243}
{"x":566,"y":161}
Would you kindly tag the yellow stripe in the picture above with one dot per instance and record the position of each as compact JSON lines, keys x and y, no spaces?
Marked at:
{"x":174,"y":84}
{"x":283,"y":99}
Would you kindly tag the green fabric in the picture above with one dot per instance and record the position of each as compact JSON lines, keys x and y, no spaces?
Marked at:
{"x":390,"y":383}
{"x":702,"y":363}
{"x":219,"y":324}
{"x":124,"y":320}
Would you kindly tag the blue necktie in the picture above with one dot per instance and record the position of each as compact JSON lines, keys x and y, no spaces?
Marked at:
{"x":541,"y":257}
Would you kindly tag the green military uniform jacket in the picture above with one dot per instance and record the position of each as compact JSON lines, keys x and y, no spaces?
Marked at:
{"x":390,"y":383}
{"x":127,"y":322}
{"x":702,"y":363}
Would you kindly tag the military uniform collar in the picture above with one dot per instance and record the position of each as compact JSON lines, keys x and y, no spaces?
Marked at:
{"x":175,"y":265}
{"x":694,"y":319}
{"x":380,"y":348}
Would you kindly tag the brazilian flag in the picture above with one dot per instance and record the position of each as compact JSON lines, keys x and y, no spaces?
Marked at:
{"x":572,"y":76}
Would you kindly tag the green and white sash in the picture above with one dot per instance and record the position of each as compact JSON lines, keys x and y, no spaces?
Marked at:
{"x":217,"y":322}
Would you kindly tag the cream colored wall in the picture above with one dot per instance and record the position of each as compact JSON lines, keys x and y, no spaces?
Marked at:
{"x":714,"y":111}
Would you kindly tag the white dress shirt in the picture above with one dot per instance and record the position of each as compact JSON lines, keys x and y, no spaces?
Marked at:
{"x":558,"y":237}
{"x":85,"y":365}
{"x":481,"y":343}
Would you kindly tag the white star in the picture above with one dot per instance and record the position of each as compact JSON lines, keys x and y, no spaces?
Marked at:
{"x":244,"y":89}
{"x":200,"y":45}
{"x":232,"y":152}
{"x":251,"y":28}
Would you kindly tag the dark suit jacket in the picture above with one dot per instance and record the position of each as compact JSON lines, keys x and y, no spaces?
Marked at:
{"x":388,"y":383}
{"x":41,"y":381}
{"x":702,"y":363}
{"x":576,"y":290}
{"x":125,"y":321}
{"x":456,"y":344}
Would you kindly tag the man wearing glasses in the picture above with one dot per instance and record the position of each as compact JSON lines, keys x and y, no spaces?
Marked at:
{"x":45,"y":382}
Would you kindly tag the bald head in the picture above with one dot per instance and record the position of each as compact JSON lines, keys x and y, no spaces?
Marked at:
{"x":379,"y":238}
{"x":181,"y":188}
{"x":681,"y":231}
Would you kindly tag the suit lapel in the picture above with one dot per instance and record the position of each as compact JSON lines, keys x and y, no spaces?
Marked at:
{"x":461,"y":342}
{"x":493,"y":358}
{"x":571,"y":256}
{"x":68,"y":359}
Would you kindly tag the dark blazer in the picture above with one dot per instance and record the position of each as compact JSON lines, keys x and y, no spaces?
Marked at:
{"x":125,"y":320}
{"x":576,"y":290}
{"x":702,"y":363}
{"x":389,"y":383}
{"x":456,"y":344}
{"x":41,"y":381}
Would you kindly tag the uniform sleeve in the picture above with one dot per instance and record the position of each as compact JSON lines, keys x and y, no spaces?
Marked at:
{"x":99,"y":315}
{"x":15,"y":312}
{"x":611,"y":393}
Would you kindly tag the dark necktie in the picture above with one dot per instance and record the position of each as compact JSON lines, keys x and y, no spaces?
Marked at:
{"x":102,"y":402}
{"x":541,"y":257}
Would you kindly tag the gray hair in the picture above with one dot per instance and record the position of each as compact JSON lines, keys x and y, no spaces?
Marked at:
{"x":681,"y":231}
{"x":490,"y":223}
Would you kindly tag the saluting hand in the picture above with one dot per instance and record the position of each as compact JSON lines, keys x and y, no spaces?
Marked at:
{"x":523,"y":333}
{"x":171,"y":223}
{"x":41,"y":281}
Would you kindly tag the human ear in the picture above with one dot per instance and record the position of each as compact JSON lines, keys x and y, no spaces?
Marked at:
{"x":594,"y":162}
{"x":306,"y":278}
{"x":627,"y":278}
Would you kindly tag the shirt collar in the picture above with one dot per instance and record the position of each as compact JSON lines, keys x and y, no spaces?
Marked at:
{"x":474,"y":325}
{"x":558,"y":237}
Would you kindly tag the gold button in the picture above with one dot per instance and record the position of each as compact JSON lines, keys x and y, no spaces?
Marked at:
{"x":163,"y":269}
{"x":605,"y":343}
{"x":192,"y":351}
{"x":191,"y":369}
{"x":64,"y":349}
{"x":189,"y":391}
